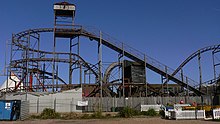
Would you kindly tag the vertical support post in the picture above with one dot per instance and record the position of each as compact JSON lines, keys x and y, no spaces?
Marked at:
{"x":78,"y":52}
{"x":57,"y":78}
{"x":10,"y":71}
{"x":85,"y":72}
{"x":167,"y":79}
{"x":214,"y":69}
{"x":30,"y":82}
{"x":54,"y":50}
{"x":100,"y":67}
{"x":182,"y":78}
{"x":38,"y":56}
{"x":44,"y":69}
{"x":130,"y":91}
{"x":55,"y":104}
{"x":78,"y":48}
{"x":162,"y":89}
{"x":80,"y":75}
{"x":187,"y":90}
{"x":53,"y":67}
{"x":7,"y":81}
{"x":6,"y":68}
{"x":123,"y":74}
{"x":182,"y":75}
{"x":27,"y":63}
{"x":213,"y":62}
{"x":145,"y":72}
{"x":200,"y":76}
{"x":37,"y":105}
{"x":6,"y":51}
{"x":119,"y":72}
{"x":200,"y":71}
{"x":71,"y":105}
{"x":70,"y":64}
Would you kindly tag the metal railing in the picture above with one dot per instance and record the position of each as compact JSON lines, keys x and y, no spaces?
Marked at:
{"x":120,"y":45}
{"x":134,"y":52}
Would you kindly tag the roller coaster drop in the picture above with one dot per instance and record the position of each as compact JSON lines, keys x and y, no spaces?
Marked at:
{"x":38,"y":70}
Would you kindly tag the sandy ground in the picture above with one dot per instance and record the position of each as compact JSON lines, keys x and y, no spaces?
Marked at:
{"x":113,"y":121}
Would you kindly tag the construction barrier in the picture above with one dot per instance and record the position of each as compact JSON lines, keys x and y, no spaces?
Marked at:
{"x":157,"y":108}
{"x":188,"y":114}
{"x":216,"y":113}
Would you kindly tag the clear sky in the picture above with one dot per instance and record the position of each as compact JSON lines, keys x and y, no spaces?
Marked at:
{"x":167,"y":30}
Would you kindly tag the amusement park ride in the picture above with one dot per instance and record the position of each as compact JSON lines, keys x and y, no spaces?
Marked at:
{"x":37,"y":70}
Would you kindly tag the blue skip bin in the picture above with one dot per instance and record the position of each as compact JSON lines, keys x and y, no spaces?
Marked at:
{"x":6,"y":109}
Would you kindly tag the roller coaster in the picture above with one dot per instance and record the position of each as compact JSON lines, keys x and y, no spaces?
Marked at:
{"x":38,"y":70}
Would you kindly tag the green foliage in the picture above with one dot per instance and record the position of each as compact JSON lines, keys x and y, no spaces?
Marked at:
{"x":150,"y":112}
{"x":34,"y":117}
{"x":49,"y":114}
{"x":71,"y":115}
{"x":162,"y":113}
{"x":97,"y":114}
{"x":85,"y":116}
{"x":128,"y":112}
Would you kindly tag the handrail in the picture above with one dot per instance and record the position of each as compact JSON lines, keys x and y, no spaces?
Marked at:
{"x":116,"y":43}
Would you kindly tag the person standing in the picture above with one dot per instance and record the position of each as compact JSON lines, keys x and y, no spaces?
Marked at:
{"x":15,"y":111}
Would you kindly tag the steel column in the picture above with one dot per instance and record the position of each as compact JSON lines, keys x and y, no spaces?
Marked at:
{"x":200,"y":71}
{"x":100,"y":67}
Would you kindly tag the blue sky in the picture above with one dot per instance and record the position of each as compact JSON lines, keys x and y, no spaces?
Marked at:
{"x":167,"y":30}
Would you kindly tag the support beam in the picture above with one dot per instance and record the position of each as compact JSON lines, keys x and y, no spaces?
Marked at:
{"x":167,"y":79}
{"x":70,"y":64}
{"x":200,"y":71}
{"x":123,"y":74}
{"x":100,"y":68}
{"x":145,"y":72}
{"x":57,"y":78}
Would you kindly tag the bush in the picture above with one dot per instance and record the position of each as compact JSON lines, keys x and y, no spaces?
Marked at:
{"x":162,"y":113}
{"x":86,"y":116}
{"x":49,"y":114}
{"x":71,"y":115}
{"x":97,"y":115}
{"x":128,"y":112}
{"x":150,"y":112}
{"x":34,"y":117}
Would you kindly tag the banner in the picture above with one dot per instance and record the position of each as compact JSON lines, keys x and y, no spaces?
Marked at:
{"x":82,"y":103}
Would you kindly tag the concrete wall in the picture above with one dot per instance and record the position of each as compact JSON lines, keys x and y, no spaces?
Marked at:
{"x":61,"y":102}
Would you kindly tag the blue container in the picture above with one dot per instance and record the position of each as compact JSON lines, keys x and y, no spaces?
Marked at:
{"x":6,"y":109}
{"x":169,"y":107}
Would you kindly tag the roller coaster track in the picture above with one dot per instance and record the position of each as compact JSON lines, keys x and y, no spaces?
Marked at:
{"x":195,"y":54}
{"x":119,"y":47}
{"x":192,"y":56}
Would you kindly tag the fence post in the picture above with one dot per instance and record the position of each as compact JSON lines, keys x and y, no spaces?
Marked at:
{"x":71,"y":104}
{"x":54,"y":103}
{"x":107,"y":104}
{"x":37,"y":105}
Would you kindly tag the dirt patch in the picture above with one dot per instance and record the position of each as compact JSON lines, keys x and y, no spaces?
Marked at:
{"x":113,"y":121}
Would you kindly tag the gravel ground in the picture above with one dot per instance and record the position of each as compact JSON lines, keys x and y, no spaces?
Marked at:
{"x":113,"y":121}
